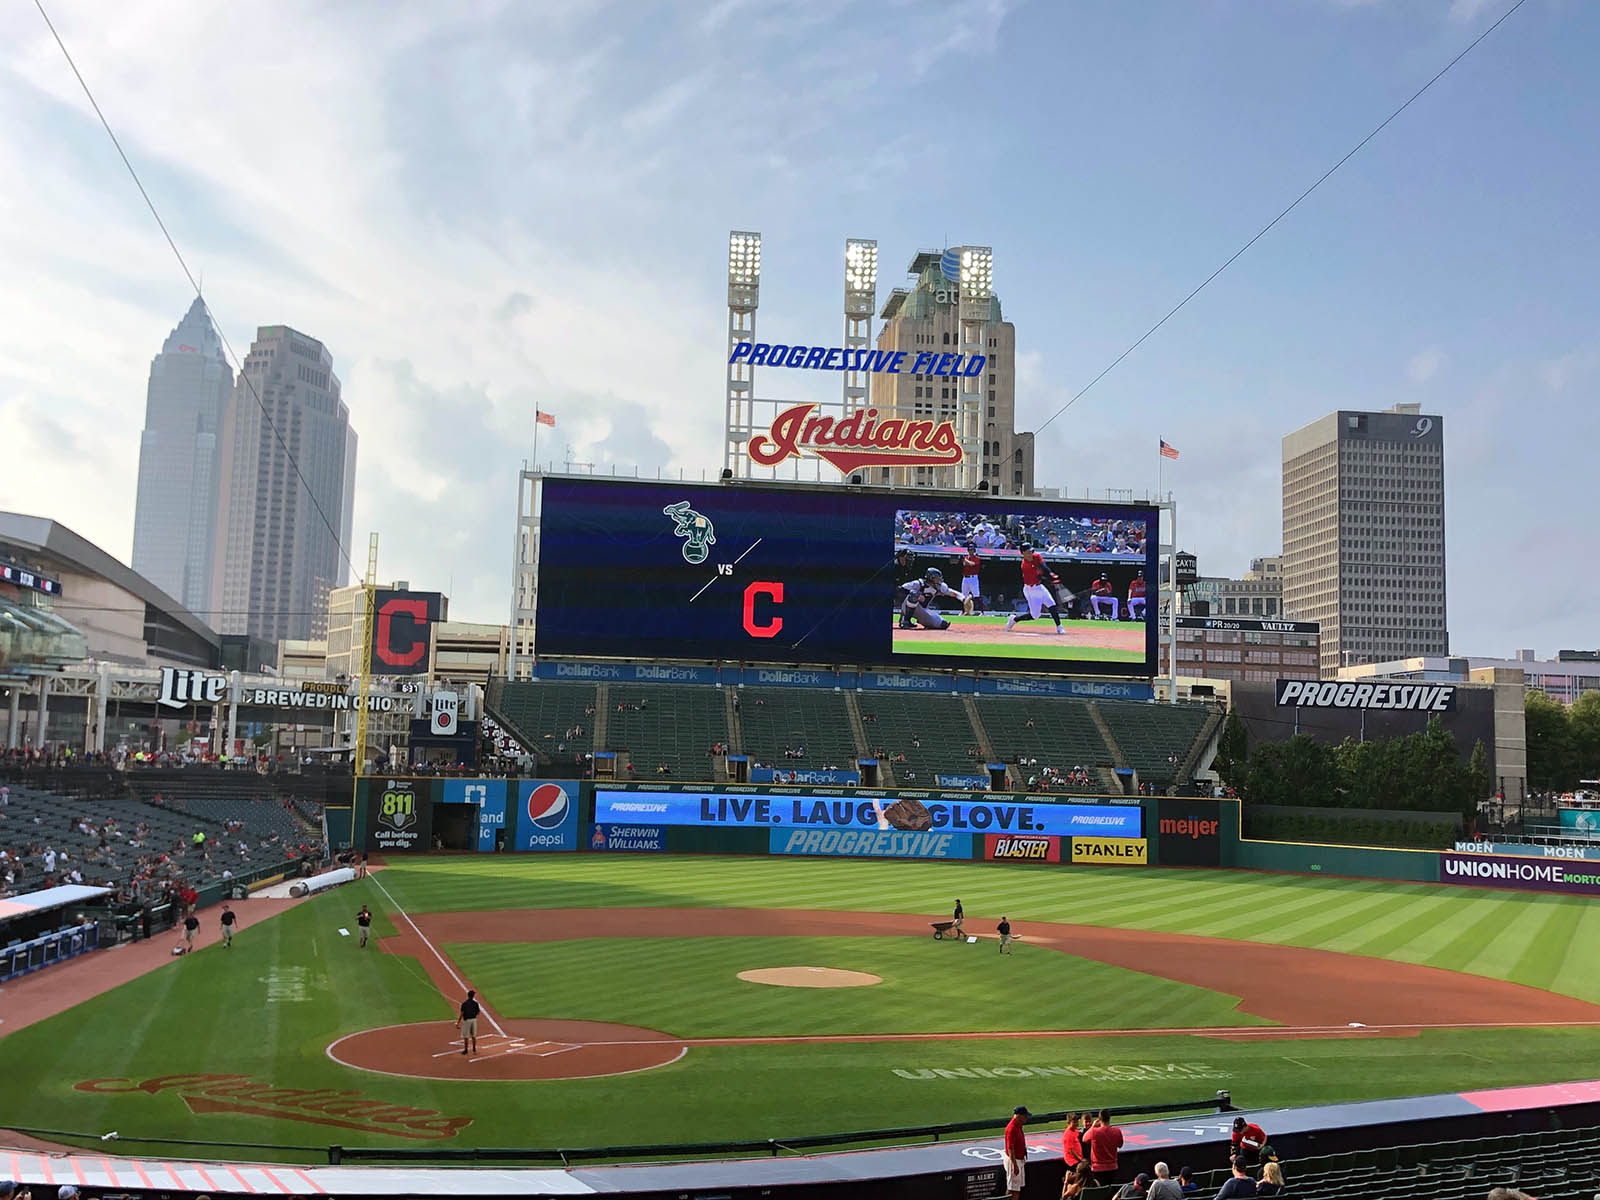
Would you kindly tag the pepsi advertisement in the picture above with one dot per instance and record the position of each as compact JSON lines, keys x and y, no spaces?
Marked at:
{"x":907,"y":814}
{"x":546,"y":815}
{"x":784,"y":574}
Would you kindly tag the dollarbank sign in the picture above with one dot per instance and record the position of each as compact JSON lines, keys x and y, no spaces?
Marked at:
{"x":861,"y":439}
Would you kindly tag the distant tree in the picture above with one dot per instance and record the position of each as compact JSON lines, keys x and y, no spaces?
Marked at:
{"x":1583,"y":720}
{"x":1232,"y":762}
{"x":1479,"y":780}
{"x":1552,"y":756}
{"x":1300,"y":771}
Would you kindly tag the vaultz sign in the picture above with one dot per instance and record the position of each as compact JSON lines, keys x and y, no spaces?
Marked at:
{"x":859,"y":440}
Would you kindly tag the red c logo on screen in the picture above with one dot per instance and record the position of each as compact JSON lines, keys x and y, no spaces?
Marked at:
{"x":385,"y":649}
{"x":773,"y":592}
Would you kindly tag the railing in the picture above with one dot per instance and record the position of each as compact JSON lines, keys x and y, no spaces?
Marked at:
{"x":1221,"y":1102}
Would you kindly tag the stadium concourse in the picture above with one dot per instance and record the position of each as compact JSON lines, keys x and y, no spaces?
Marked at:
{"x":923,"y":739}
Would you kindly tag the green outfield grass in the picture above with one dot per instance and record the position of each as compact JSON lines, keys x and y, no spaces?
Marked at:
{"x":968,"y":637}
{"x":268,"y":1008}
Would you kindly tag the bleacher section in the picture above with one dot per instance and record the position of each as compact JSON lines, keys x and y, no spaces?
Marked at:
{"x":680,"y":722}
{"x":931,"y":730}
{"x":1156,"y":738}
{"x":666,"y":725}
{"x":1057,"y":733}
{"x":1552,"y":1165}
{"x":777,"y":719}
{"x":541,"y":715}
{"x":145,"y":835}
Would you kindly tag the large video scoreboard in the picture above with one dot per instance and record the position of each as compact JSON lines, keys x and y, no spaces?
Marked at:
{"x":803,"y":574}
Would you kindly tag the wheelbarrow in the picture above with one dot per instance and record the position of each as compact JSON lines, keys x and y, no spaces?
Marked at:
{"x":941,"y":930}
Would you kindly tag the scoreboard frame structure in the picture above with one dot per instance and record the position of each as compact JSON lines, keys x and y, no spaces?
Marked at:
{"x":642,"y":538}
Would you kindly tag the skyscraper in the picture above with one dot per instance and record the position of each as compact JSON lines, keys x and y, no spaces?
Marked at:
{"x":175,"y":513}
{"x":1363,"y":534}
{"x":926,"y":316}
{"x":278,"y":548}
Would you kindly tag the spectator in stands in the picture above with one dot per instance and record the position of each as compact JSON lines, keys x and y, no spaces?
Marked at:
{"x":1248,"y":1138}
{"x":1240,"y":1184}
{"x":1505,"y":1193}
{"x":1137,"y":1190}
{"x":1104,"y":1141}
{"x":1271,"y":1183}
{"x":1164,"y":1187}
{"x":1071,"y":1138}
{"x":1077,"y":1181}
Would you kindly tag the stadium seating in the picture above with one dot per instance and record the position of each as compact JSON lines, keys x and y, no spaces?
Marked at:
{"x":1552,"y":1165}
{"x":817,"y":720}
{"x":666,"y":725}
{"x":541,"y":713}
{"x":937,"y":721}
{"x":1059,"y":733}
{"x":1156,"y":738}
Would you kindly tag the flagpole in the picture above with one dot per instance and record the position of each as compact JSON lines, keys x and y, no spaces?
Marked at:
{"x":536,"y":437}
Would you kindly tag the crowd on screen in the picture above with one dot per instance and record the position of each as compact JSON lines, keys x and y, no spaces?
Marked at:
{"x":1067,"y":535}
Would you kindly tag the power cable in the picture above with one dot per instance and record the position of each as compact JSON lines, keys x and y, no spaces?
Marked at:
{"x":189,"y":275}
{"x":1267,"y":228}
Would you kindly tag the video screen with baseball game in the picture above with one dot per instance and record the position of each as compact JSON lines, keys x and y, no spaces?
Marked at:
{"x":774,"y":573}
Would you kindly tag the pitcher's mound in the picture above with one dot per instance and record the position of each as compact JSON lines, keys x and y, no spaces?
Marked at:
{"x":524,"y":1050}
{"x":812,"y":977}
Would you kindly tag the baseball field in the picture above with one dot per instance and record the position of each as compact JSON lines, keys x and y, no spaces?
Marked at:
{"x":617,"y":1010}
{"x":986,"y":636}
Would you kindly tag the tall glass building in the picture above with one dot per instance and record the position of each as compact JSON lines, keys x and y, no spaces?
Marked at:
{"x":175,"y":514}
{"x":278,"y":549}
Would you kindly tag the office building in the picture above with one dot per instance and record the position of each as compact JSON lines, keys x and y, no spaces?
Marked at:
{"x":1363,"y":534}
{"x":927,"y":316}
{"x":1245,"y":648}
{"x":1563,"y":678}
{"x":174,"y":515}
{"x":289,"y":486}
{"x":1258,"y":594}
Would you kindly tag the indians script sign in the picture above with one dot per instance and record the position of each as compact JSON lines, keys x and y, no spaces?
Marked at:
{"x":340,"y":1108}
{"x":859,"y":440}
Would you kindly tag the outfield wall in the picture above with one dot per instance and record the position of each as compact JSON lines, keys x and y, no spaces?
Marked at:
{"x":408,"y":814}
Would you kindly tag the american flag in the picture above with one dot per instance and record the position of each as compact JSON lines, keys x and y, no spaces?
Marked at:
{"x":545,"y":418}
{"x":1168,"y":451}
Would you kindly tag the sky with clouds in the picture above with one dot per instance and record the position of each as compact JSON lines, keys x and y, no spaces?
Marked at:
{"x":486,"y":207}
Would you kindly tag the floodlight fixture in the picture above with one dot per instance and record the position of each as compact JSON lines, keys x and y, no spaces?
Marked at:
{"x":744,"y":258}
{"x":861,"y":265}
{"x":977,"y":272}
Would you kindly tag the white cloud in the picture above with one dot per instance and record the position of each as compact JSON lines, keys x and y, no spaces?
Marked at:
{"x":1425,"y":365}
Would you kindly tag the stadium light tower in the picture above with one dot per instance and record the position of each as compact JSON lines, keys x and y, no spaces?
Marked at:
{"x":744,"y":295}
{"x":976,"y":307}
{"x":860,"y":299}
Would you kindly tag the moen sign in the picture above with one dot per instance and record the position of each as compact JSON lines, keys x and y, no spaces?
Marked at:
{"x":859,"y":440}
{"x":1412,"y":697}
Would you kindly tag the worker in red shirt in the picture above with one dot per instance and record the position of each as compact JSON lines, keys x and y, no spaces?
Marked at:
{"x":1248,"y":1139}
{"x":1104,"y":1140}
{"x":1072,"y":1142}
{"x":1016,"y":1150}
{"x":970,"y":595}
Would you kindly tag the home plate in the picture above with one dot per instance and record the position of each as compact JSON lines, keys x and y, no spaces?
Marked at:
{"x":1357,"y":1025}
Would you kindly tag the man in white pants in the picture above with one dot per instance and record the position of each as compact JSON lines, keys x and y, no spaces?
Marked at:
{"x":1016,"y":1150}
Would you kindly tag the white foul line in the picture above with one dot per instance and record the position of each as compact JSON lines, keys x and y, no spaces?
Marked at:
{"x":718,"y":576}
{"x":443,"y":962}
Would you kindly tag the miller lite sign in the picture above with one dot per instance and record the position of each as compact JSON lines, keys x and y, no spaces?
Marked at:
{"x":446,"y":709}
{"x":859,"y":440}
{"x":181,"y":688}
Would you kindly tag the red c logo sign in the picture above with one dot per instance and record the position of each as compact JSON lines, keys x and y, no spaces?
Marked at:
{"x":416,"y":649}
{"x":773,"y":592}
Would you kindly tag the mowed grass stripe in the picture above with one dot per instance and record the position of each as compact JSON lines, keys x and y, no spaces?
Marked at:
{"x":927,"y":986}
{"x":1431,"y":924}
